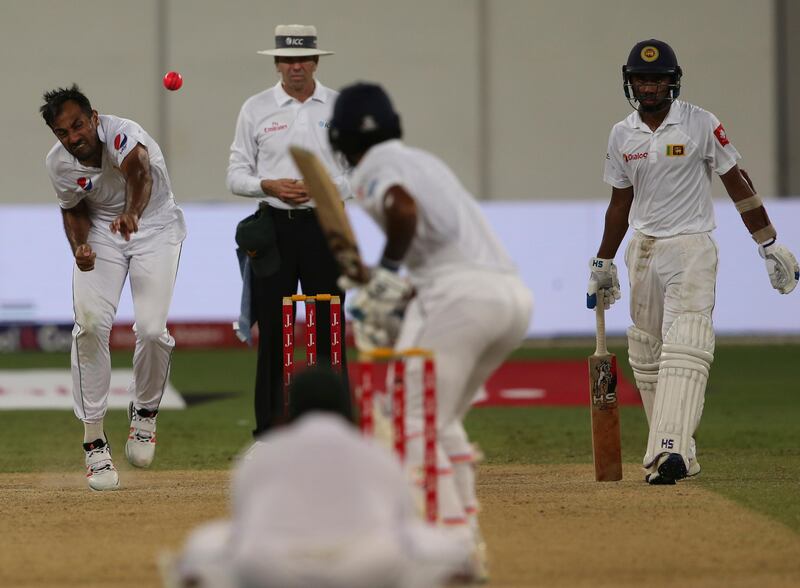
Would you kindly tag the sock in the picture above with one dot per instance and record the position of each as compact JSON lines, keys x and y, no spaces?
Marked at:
{"x":92,"y":431}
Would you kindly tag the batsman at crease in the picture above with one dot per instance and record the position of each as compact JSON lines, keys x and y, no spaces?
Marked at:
{"x":457,"y":269}
{"x":659,"y":163}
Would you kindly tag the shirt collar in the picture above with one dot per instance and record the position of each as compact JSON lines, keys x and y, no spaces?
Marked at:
{"x":282,"y":98}
{"x":673,"y":117}
{"x":101,"y":129}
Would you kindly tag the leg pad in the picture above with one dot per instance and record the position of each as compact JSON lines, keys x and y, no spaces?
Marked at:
{"x":644,"y":352}
{"x":686,"y":358}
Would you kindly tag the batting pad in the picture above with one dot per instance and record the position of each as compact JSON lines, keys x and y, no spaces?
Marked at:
{"x":687,"y":355}
{"x":644,"y":351}
{"x":451,"y":510}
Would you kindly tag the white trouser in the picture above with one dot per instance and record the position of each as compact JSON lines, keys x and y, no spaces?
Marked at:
{"x":670,"y":277}
{"x":471,"y":321}
{"x":151,"y":260}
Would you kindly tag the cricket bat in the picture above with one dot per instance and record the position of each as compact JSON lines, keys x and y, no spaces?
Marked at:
{"x":605,"y":412}
{"x":330,"y":212}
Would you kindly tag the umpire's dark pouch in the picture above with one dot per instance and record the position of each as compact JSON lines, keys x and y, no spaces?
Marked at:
{"x":255,"y":235}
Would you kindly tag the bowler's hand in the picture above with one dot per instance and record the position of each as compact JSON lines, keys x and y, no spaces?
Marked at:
{"x":125,"y":224}
{"x":84,"y":257}
{"x":286,"y":190}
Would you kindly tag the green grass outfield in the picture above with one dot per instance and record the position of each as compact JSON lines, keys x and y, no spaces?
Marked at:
{"x":748,"y":440}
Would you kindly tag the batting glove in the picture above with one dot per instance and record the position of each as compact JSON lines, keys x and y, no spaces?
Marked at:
{"x":603,"y":283}
{"x":782,"y":266}
{"x":378,"y":308}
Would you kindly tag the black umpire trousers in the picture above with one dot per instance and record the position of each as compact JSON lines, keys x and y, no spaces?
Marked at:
{"x":305,"y":257}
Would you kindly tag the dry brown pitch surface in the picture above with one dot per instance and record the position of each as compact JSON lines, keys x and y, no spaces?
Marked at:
{"x":549,"y":526}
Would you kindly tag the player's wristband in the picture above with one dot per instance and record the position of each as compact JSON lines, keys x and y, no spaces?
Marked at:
{"x":762,"y":236}
{"x":749,"y":203}
{"x":390,"y":264}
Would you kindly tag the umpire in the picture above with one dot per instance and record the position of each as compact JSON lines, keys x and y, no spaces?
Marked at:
{"x":295,"y":111}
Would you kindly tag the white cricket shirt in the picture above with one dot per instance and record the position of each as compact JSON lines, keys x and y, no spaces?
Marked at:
{"x":452,"y":233}
{"x":314,"y":483}
{"x":104,"y":188}
{"x":268,"y":124}
{"x":670,"y":169}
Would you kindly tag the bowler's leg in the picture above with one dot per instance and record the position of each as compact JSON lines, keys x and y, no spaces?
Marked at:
{"x":95,"y":298}
{"x":153,"y":268}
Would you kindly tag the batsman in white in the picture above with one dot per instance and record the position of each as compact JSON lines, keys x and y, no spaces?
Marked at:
{"x":121,"y":220}
{"x":659,"y":163}
{"x":465,"y":300}
{"x":315,"y":504}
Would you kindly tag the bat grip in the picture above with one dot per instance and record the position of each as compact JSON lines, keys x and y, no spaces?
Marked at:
{"x":599,"y":313}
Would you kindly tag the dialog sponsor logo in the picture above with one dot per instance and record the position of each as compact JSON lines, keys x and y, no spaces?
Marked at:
{"x":634,"y":156}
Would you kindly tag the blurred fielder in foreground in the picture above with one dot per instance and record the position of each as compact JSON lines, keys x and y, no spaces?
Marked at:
{"x":463,"y":300}
{"x":659,"y":163}
{"x":121,"y":220}
{"x":317,"y":504}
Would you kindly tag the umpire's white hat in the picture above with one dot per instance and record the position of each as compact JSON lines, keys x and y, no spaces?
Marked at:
{"x":295,"y":41}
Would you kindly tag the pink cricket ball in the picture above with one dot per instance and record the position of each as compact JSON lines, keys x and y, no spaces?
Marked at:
{"x":173,"y":80}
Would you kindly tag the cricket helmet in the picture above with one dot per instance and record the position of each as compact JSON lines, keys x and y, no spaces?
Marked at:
{"x":362,"y":117}
{"x":652,"y":57}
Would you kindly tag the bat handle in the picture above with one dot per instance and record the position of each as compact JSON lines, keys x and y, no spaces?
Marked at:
{"x":600,"y":316}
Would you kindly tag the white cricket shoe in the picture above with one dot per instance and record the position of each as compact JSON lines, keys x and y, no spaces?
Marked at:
{"x":666,"y":470}
{"x":694,"y":468}
{"x":140,"y":448}
{"x":100,"y":471}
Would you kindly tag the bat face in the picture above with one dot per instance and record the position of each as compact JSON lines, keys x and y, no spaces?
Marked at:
{"x":606,"y":442}
{"x":603,"y":378}
{"x":330,"y":212}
